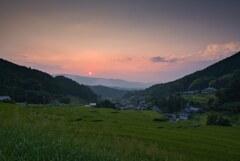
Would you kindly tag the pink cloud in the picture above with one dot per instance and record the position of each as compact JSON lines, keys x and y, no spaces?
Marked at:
{"x":212,"y":52}
{"x":220,"y":51}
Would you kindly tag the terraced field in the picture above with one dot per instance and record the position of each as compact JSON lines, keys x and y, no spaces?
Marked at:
{"x":83,"y":133}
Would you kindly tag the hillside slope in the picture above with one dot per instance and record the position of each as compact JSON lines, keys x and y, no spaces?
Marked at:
{"x":107,"y":92}
{"x":34,"y":86}
{"x":218,"y":75}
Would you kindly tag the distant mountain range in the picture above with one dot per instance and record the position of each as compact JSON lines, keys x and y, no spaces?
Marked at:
{"x":114,"y":83}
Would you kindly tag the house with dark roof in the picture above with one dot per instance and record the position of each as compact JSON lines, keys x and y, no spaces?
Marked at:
{"x":5,"y":98}
{"x":183,"y":116}
{"x":209,"y":90}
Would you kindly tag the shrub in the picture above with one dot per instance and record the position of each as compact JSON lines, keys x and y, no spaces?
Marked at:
{"x":163,"y":119}
{"x":65,"y":100}
{"x":105,"y":104}
{"x":217,"y":120}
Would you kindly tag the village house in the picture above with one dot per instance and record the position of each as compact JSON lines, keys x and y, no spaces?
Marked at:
{"x":183,"y":116}
{"x":141,"y":105}
{"x":209,"y":90}
{"x":5,"y":98}
{"x":156,"y":109}
{"x":91,"y":105}
{"x":191,"y":109}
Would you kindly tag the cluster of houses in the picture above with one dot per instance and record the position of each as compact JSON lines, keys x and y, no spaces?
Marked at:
{"x":127,"y":105}
{"x":184,"y":114}
{"x":142,"y":105}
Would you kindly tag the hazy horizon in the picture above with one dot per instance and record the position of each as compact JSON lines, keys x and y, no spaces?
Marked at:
{"x":138,"y":40}
{"x":99,"y":77}
{"x":87,"y":76}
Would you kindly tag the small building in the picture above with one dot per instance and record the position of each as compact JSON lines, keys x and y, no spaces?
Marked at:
{"x":142,"y":102}
{"x":131,"y":107}
{"x":92,"y":104}
{"x":5,"y":98}
{"x":183,"y":116}
{"x":141,"y":107}
{"x":156,"y":109}
{"x":209,"y":90}
{"x":191,"y":109}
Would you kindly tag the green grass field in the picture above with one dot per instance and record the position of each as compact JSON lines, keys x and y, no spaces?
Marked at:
{"x":200,"y":98}
{"x":89,"y":134}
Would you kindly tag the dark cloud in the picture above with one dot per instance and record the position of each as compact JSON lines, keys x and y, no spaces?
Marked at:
{"x":157,"y":59}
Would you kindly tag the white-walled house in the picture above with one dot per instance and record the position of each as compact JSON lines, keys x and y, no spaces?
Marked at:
{"x":5,"y":98}
{"x":92,"y":104}
{"x":183,"y":116}
{"x":191,"y":109}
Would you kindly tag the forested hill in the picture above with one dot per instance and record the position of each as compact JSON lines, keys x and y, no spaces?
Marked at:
{"x":25,"y":84}
{"x":107,"y":92}
{"x":218,"y":75}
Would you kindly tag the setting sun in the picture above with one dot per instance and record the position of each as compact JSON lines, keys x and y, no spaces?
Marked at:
{"x":89,"y":73}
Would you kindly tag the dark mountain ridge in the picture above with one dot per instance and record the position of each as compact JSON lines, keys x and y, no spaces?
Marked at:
{"x":107,"y":92}
{"x":224,"y":76}
{"x":200,"y":79}
{"x":34,"y":86}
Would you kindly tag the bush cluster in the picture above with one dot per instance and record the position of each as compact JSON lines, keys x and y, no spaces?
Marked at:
{"x":217,"y":120}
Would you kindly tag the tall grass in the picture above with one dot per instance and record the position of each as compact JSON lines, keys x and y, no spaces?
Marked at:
{"x":33,"y":145}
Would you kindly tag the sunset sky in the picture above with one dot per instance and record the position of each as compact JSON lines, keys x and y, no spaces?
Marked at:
{"x":136,"y":40}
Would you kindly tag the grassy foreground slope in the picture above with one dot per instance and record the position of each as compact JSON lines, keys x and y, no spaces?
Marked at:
{"x":80,"y":133}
